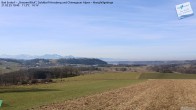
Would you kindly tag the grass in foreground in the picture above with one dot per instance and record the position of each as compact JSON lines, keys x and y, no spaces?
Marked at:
{"x":23,"y":97}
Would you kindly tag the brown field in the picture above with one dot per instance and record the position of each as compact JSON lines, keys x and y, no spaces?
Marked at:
{"x":149,"y":95}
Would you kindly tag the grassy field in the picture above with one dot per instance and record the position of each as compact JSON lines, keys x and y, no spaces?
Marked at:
{"x":23,"y":97}
{"x":28,"y":96}
{"x":166,"y":76}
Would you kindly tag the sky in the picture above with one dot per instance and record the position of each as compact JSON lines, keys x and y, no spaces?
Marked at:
{"x":128,"y":29}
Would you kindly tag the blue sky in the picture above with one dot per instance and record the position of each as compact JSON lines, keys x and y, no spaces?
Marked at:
{"x":128,"y":29}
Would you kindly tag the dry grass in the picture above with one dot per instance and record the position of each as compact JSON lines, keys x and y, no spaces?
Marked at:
{"x":150,"y":95}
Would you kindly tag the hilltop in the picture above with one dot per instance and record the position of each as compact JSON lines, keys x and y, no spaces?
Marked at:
{"x":9,"y":65}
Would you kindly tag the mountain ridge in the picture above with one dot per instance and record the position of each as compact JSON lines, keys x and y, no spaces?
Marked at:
{"x":29,"y":57}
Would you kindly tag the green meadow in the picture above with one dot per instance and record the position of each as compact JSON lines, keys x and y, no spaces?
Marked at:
{"x":28,"y":96}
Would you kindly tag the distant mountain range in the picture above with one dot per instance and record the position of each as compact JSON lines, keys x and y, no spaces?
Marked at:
{"x":50,"y":56}
{"x":28,"y":57}
{"x":81,"y":60}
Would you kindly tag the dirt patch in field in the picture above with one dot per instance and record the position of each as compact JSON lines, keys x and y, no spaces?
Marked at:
{"x":150,"y":95}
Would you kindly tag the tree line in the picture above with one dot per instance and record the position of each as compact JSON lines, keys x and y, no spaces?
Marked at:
{"x":173,"y":68}
{"x":41,"y":75}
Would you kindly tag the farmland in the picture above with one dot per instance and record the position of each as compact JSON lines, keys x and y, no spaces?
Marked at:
{"x":8,"y":67}
{"x":126,"y":89}
{"x":28,"y":96}
{"x":166,"y":76}
{"x":151,"y":95}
